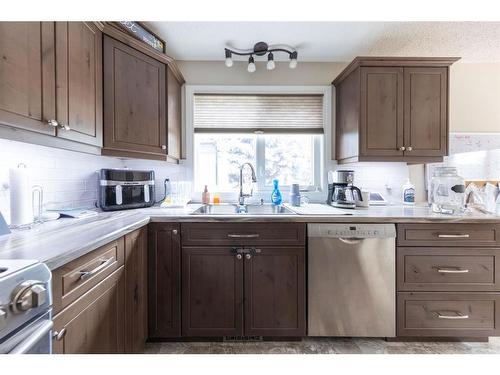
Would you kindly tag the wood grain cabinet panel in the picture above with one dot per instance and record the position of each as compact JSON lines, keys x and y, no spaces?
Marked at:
{"x":94,"y":324}
{"x":448,"y":269}
{"x":164,"y":280}
{"x":79,"y":81}
{"x":275,"y":292}
{"x":392,"y":109}
{"x":27,"y":75}
{"x":448,"y":314}
{"x":381,"y":111}
{"x":425,"y":113}
{"x":136,"y":290}
{"x":174,"y":115}
{"x":448,"y":235}
{"x":135,"y":103}
{"x":70,"y":282}
{"x":212,"y":292}
{"x":218,"y":234}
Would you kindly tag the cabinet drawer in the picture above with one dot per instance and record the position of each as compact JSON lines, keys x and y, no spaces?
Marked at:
{"x":448,"y":314}
{"x":448,"y":235}
{"x":77,"y":277}
{"x":448,"y":269}
{"x":270,"y":234}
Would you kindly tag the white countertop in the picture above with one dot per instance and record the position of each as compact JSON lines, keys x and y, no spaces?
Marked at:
{"x":60,"y":241}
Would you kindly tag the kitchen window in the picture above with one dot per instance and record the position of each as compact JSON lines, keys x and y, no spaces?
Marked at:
{"x":281,"y":135}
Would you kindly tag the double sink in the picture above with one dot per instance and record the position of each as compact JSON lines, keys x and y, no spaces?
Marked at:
{"x":247,"y":209}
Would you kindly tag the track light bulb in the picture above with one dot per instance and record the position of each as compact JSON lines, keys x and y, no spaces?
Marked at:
{"x":270,"y":61}
{"x":251,"y":65}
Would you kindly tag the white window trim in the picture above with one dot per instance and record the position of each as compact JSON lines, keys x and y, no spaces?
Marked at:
{"x":188,"y":136}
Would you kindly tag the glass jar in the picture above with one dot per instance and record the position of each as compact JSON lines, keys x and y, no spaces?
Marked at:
{"x":447,"y":191}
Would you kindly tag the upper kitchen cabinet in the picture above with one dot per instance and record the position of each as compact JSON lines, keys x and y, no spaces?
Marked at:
{"x":27,"y":76}
{"x":142,"y":101}
{"x":135,"y":103}
{"x":51,"y":83}
{"x":392,"y":109}
{"x":79,"y":81}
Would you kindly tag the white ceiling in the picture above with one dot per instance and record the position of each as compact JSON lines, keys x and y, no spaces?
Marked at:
{"x":335,"y":41}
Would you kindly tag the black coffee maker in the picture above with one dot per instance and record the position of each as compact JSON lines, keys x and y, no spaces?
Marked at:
{"x":341,"y":191}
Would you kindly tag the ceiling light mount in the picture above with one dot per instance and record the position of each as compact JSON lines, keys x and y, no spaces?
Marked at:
{"x":261,"y":49}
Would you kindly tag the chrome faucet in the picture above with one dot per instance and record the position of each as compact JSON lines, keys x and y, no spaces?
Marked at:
{"x":242,"y":196}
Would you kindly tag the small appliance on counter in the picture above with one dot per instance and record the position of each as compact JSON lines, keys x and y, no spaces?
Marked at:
{"x":121,"y":189}
{"x":341,"y":191}
{"x":25,"y":307}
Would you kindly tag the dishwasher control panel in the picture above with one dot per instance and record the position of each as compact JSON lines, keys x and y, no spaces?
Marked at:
{"x":351,"y":230}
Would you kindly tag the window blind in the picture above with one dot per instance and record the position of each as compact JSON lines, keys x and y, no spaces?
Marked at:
{"x":237,"y":113}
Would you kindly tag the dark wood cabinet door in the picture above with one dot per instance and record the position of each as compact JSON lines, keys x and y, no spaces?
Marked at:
{"x":94,"y":323}
{"x":79,"y":81}
{"x":136,"y":290}
{"x":27,"y":75}
{"x":381,"y":111}
{"x":164,"y":283}
{"x":275,"y":292}
{"x":174,"y":115}
{"x":212,"y":292}
{"x":425,"y":118}
{"x":135,"y":103}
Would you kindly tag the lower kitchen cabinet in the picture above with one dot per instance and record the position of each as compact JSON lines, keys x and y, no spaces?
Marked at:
{"x":136,"y":290}
{"x":275,"y":292}
{"x":164,"y":283}
{"x":230,"y":291}
{"x":95,"y":322}
{"x":212,"y":292}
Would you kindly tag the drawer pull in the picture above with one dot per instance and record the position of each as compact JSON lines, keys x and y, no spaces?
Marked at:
{"x":254,"y":235}
{"x":59,"y":335}
{"x":457,"y":316}
{"x":453,"y":235}
{"x":452,"y":270}
{"x":84,"y":275}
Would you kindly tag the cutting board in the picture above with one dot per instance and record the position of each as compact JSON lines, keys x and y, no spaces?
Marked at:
{"x":317,"y":209}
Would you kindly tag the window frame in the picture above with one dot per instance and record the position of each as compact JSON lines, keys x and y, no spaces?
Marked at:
{"x":320,"y":157}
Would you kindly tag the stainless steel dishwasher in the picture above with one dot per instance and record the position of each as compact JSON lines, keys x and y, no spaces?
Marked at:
{"x":351,"y":280}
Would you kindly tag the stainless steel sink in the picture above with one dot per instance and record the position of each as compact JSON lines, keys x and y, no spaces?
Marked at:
{"x":248,"y":209}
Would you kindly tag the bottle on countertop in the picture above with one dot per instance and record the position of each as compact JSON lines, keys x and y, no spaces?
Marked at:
{"x":276,"y":197}
{"x":216,"y":198}
{"x":408,"y":193}
{"x":168,"y":192}
{"x":205,"y":196}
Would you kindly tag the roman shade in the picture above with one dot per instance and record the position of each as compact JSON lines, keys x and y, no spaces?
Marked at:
{"x":242,"y":113}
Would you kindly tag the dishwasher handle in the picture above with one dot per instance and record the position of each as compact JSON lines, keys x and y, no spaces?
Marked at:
{"x":351,"y":241}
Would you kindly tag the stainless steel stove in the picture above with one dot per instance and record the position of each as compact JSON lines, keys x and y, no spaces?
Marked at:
{"x":25,"y":307}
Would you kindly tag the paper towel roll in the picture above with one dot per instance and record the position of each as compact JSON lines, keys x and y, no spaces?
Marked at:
{"x":21,"y":209}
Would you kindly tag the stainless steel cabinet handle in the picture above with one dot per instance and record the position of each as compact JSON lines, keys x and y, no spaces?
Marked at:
{"x":64,"y":127}
{"x":453,"y":235}
{"x":174,"y":231}
{"x":163,"y":147}
{"x":53,"y":122}
{"x":409,"y":148}
{"x":452,"y":270}
{"x":84,"y":275}
{"x":458,"y":316}
{"x":402,"y":148}
{"x":248,"y":256}
{"x":239,"y":256}
{"x":59,"y":335}
{"x":255,"y":235}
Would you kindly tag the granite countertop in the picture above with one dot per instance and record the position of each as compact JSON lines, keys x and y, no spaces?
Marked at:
{"x":59,"y":242}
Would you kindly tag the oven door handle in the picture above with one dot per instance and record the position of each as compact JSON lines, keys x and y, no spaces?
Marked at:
{"x":38,"y":333}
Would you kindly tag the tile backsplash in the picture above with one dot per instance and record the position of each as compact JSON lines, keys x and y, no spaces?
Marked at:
{"x":69,"y":179}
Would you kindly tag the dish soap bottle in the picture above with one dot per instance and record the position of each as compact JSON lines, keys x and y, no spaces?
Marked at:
{"x":205,"y":196}
{"x":276,"y":197}
{"x":409,"y":193}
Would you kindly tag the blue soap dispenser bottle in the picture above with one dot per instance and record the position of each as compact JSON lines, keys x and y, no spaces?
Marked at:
{"x":276,"y":197}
